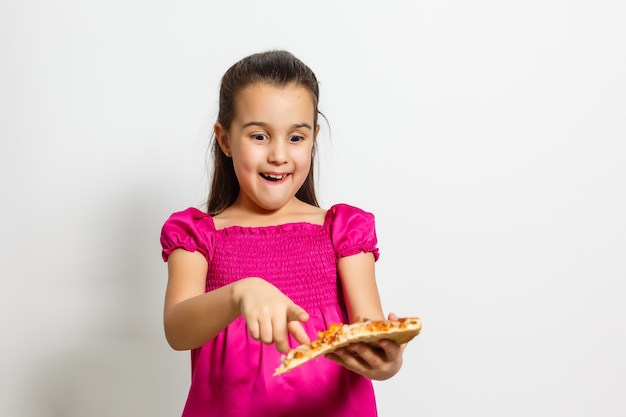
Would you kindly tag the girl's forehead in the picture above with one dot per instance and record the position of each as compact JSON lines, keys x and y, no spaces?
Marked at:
{"x":265,"y":101}
{"x":261,"y":90}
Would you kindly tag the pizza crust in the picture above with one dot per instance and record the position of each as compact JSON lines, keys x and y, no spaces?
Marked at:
{"x":338,"y":335}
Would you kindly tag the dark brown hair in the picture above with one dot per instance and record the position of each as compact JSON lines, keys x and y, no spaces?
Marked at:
{"x":277,"y":68}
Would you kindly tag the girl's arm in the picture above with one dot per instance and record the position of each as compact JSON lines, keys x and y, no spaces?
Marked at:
{"x":192,"y":316}
{"x":357,"y":274}
{"x":358,"y":279}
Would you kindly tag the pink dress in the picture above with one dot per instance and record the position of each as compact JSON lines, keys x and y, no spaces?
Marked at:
{"x":232,"y":375}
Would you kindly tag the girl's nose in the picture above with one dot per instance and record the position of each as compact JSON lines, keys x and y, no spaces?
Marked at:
{"x":278,"y":152}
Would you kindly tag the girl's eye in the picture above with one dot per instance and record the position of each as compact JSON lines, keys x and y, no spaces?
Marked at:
{"x":258,"y":136}
{"x":296,"y":139}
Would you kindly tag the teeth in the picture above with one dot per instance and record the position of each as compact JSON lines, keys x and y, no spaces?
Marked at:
{"x":274,"y":177}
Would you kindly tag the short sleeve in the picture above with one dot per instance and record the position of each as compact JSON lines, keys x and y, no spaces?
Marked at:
{"x":352,"y":231}
{"x":191,"y":230}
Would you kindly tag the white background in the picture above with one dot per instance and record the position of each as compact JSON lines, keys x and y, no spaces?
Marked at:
{"x":488,"y":137}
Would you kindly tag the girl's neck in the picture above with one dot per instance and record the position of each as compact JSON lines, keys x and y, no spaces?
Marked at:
{"x":296,"y":211}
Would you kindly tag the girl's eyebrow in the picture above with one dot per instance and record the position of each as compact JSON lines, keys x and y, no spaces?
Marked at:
{"x":265,"y":125}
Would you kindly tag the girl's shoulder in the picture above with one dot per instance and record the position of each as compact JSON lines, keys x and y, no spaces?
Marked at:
{"x":190,"y":216}
{"x":342,"y":212}
{"x":190,"y":229}
{"x":352,"y":230}
{"x":327,"y":217}
{"x":337,"y":213}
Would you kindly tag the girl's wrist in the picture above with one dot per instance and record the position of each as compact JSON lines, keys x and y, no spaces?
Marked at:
{"x":238,"y":290}
{"x":235,"y":293}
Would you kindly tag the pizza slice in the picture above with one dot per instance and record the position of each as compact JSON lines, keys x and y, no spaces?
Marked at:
{"x":340,"y":335}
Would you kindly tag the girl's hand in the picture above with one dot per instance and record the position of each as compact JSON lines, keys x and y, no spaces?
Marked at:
{"x":269,"y":314}
{"x":377,"y":363}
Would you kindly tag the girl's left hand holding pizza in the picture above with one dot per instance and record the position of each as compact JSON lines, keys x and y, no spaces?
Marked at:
{"x":377,"y":363}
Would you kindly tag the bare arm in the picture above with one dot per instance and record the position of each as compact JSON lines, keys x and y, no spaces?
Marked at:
{"x":358,"y":280}
{"x":192,"y":317}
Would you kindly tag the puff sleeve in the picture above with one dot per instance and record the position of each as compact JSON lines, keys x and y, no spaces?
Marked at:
{"x":191,"y":229}
{"x":352,"y":231}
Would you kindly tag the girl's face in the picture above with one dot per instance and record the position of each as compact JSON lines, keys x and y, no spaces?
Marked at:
{"x":270,"y":140}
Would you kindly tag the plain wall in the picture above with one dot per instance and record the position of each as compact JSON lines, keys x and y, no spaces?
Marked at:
{"x":487,"y":137}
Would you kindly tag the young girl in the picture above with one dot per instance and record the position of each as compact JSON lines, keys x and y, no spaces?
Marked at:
{"x":266,"y":268}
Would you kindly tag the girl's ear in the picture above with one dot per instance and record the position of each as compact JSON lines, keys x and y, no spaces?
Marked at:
{"x":317,"y":130}
{"x":221,"y":135}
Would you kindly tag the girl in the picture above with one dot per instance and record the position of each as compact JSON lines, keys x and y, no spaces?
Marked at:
{"x":267,"y":266}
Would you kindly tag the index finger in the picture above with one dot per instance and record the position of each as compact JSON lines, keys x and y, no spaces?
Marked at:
{"x":297,"y":331}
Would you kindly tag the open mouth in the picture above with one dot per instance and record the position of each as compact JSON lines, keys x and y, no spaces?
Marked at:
{"x":273,"y":177}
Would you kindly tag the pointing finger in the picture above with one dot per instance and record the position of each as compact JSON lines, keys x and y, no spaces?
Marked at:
{"x":298,"y":332}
